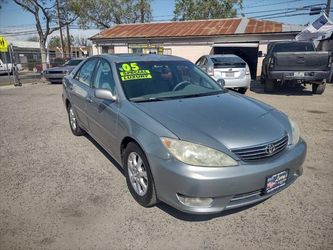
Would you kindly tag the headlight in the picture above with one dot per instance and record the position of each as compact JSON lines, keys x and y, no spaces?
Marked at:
{"x":198,"y":155}
{"x":295,"y":133}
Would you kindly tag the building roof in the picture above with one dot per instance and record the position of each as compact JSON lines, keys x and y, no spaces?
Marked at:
{"x":195,"y":28}
{"x":23,"y":44}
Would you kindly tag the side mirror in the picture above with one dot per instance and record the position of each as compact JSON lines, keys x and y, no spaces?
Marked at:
{"x":221,"y":82}
{"x":105,"y":94}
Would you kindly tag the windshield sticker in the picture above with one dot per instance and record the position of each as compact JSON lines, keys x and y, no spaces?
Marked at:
{"x":131,"y":71}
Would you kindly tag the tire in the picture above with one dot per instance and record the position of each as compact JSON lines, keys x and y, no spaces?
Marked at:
{"x":242,"y":90}
{"x":318,"y":89}
{"x":268,"y":86}
{"x":73,"y":124}
{"x":138,"y":176}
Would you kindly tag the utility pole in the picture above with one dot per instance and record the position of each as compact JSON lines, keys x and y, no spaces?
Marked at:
{"x":60,"y":30}
{"x":142,"y":10}
{"x":68,"y":41}
{"x":328,"y":7}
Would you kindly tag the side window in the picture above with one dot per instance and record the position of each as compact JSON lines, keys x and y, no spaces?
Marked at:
{"x":104,"y":77}
{"x":204,"y":61}
{"x":199,"y":62}
{"x":85,"y":73}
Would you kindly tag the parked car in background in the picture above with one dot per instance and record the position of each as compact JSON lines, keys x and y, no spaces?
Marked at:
{"x":9,"y":67}
{"x":233,"y":69}
{"x":56,"y":74}
{"x":292,"y":62}
{"x":180,"y":137}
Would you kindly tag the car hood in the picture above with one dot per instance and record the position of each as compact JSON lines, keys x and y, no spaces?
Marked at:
{"x":229,"y":119}
{"x":62,"y":68}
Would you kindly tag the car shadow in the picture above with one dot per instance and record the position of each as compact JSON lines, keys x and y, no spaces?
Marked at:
{"x":297,"y":90}
{"x":165,"y":207}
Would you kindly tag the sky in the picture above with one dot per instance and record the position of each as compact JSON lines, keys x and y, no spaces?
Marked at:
{"x":13,"y":18}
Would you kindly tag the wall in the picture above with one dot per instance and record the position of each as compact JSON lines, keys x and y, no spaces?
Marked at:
{"x":263,"y":49}
{"x":190,"y":52}
{"x":120,"y":49}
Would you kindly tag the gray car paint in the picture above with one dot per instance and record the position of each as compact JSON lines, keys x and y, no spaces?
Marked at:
{"x":223,"y":121}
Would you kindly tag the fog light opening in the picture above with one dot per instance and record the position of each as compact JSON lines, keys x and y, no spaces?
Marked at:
{"x":195,"y":201}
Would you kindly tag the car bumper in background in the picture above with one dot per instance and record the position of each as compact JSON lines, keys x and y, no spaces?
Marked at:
{"x":54,"y":77}
{"x":237,"y":82}
{"x":293,"y":75}
{"x":229,"y":187}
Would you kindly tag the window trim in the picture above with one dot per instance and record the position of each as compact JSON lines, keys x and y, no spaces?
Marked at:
{"x":95,"y":72}
{"x":79,"y":70}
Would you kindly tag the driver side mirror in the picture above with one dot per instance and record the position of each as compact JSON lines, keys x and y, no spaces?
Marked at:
{"x":105,"y":94}
{"x":221,"y":82}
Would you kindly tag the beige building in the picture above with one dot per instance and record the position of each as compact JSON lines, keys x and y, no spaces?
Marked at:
{"x":244,"y":37}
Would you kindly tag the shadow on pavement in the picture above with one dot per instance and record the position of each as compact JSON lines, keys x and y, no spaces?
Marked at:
{"x":297,"y":90}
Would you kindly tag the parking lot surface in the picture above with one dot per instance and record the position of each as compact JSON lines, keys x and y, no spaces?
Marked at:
{"x":58,"y":191}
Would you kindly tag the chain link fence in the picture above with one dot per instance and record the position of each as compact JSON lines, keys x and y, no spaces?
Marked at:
{"x":23,"y":65}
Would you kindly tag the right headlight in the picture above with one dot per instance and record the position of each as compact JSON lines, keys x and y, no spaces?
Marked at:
{"x":295,"y":132}
{"x":197,"y":155}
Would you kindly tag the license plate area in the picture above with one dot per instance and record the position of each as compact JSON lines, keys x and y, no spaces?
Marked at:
{"x":229,"y":74}
{"x":276,"y":181}
{"x":299,"y":74}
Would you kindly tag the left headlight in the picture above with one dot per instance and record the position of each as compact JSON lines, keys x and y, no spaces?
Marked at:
{"x":197,"y":155}
{"x":295,"y":132}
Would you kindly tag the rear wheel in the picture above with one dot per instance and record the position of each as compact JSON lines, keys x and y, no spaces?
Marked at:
{"x":268,"y":86}
{"x":138,"y":176}
{"x":318,"y":88}
{"x":75,"y":128}
{"x":242,"y":90}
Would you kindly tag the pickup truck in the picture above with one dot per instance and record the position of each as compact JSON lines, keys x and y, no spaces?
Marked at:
{"x":8,"y":67}
{"x":292,"y":62}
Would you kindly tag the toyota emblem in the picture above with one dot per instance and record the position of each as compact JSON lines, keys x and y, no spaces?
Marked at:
{"x":270,"y":149}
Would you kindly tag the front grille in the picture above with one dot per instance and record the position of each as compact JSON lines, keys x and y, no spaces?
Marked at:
{"x":262,"y":151}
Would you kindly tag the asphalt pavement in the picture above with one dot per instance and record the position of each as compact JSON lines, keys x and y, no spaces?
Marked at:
{"x":58,"y":191}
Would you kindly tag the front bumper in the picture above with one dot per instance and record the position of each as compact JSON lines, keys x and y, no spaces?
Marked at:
{"x":230,"y":187}
{"x":56,"y":77}
{"x":290,"y":75}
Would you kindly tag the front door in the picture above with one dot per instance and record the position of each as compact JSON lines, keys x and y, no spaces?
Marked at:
{"x":103,"y":114}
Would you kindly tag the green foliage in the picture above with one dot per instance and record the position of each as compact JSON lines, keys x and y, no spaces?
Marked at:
{"x":205,"y":9}
{"x":55,"y":41}
{"x":104,"y":13}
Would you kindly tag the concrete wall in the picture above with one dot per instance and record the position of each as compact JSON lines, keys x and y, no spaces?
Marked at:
{"x":120,"y":49}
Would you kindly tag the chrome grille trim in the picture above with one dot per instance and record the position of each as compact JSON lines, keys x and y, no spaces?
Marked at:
{"x":260,"y":151}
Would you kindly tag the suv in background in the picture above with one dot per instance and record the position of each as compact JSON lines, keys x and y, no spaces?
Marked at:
{"x":296,"y":63}
{"x":232,"y":69}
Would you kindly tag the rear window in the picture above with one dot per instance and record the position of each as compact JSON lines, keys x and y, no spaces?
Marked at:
{"x":228,"y":62}
{"x":73,"y":62}
{"x":293,"y":47}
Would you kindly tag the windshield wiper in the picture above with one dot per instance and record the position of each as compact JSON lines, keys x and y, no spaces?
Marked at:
{"x":199,"y":94}
{"x":152,"y":99}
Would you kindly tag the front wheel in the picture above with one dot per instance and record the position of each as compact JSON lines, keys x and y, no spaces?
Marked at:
{"x":138,"y":176}
{"x":318,"y":88}
{"x":242,"y":90}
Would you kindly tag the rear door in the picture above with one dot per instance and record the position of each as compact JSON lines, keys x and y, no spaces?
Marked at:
{"x":79,"y":90}
{"x":103,"y":114}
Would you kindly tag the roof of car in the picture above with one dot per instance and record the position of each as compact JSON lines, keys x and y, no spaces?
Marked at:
{"x":139,"y":57}
{"x":224,"y":55}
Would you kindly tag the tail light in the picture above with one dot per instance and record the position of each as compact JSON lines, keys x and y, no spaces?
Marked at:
{"x":210,"y":70}
{"x":271,"y":62}
{"x":247,"y":72}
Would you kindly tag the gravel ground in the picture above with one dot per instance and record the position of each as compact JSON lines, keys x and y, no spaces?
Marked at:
{"x":58,"y":191}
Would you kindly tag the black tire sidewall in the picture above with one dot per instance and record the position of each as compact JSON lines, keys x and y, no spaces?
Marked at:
{"x":149,"y":199}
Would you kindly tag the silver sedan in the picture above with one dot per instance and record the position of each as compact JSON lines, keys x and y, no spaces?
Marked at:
{"x":180,"y":137}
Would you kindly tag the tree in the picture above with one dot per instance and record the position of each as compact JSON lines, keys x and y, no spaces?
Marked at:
{"x":105,"y":13}
{"x":205,"y":9}
{"x":45,"y":17}
{"x":55,"y":41}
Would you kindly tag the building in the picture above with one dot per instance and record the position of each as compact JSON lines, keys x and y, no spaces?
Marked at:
{"x":245,"y":37}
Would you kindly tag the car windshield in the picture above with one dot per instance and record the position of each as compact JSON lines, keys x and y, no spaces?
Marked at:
{"x":163,"y":80}
{"x":228,"y":62}
{"x":73,"y":62}
{"x":293,"y":47}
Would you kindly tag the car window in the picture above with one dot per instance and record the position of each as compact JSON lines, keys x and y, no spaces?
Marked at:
{"x":199,"y":62}
{"x":85,"y":72}
{"x":145,"y":80}
{"x":293,"y":47}
{"x":103,"y":77}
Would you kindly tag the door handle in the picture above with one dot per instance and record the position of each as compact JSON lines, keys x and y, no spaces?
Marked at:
{"x":88,"y":99}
